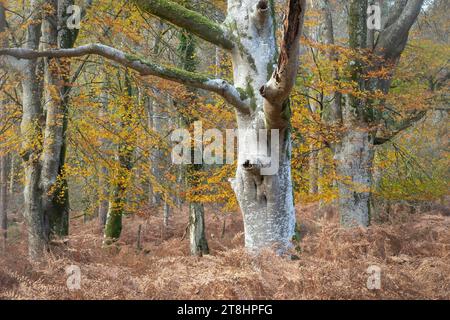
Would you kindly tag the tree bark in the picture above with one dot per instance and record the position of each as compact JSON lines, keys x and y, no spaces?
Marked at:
{"x":113,"y":226}
{"x":12,"y":175}
{"x":3,"y":155}
{"x":121,"y":179}
{"x":157,"y":157}
{"x":103,"y":196}
{"x":313,"y":169}
{"x":265,"y":200}
{"x":3,"y":195}
{"x":54,"y":185}
{"x":103,"y":183}
{"x":355,"y":152}
{"x":354,"y":163}
{"x":197,"y":239}
{"x":32,"y":134}
{"x":166,"y":214}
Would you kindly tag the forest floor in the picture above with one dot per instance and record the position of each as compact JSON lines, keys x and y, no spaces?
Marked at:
{"x":413,"y":253}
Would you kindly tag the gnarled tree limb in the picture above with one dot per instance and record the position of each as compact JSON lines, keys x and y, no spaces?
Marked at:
{"x":187,"y":19}
{"x":394,"y":37}
{"x":405,"y":124}
{"x":278,"y":88}
{"x":145,"y":68}
{"x":4,"y":40}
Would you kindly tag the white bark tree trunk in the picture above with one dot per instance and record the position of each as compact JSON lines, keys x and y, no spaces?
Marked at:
{"x":3,"y":196}
{"x":103,"y":196}
{"x":313,"y":169}
{"x":266,"y":201}
{"x":103,"y":183}
{"x":197,"y":239}
{"x":3,"y":159}
{"x":31,"y":129}
{"x":54,"y":195}
{"x":166,"y":214}
{"x":355,"y":152}
{"x":158,"y":116}
{"x":354,"y":163}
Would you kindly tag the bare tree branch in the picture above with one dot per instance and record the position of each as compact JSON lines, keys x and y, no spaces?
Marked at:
{"x":187,"y":19}
{"x":405,"y":124}
{"x":393,"y":39}
{"x":278,"y":88}
{"x":395,"y":12}
{"x":145,"y":68}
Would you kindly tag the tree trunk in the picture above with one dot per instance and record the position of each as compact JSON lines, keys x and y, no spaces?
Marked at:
{"x":197,"y":239}
{"x":118,"y":196}
{"x":103,"y":196}
{"x":157,"y":154}
{"x":3,"y":196}
{"x":3,"y":155}
{"x":103,"y":181}
{"x":31,"y":130}
{"x":55,"y":193}
{"x":354,"y":162}
{"x":113,"y":227}
{"x":3,"y":175}
{"x":266,"y":200}
{"x":354,"y":154}
{"x":313,"y":169}
{"x":12,"y":174}
{"x":155,"y":123}
{"x":149,"y":109}
{"x":166,"y":215}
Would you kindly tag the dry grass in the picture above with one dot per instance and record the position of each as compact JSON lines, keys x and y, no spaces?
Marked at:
{"x":413,"y":256}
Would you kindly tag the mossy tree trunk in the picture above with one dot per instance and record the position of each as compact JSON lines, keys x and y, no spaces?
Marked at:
{"x":55,"y":189}
{"x":122,"y":175}
{"x":357,"y":118}
{"x":197,"y":237}
{"x":32,"y":136}
{"x":3,"y":193}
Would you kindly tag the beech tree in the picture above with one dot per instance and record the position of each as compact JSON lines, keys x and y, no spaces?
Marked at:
{"x":264,"y":76}
{"x":3,"y":156}
{"x":356,"y":115}
{"x":43,"y":125}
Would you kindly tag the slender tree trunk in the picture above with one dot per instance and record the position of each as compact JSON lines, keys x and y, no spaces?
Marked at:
{"x":32,"y":135}
{"x":313,"y":170}
{"x":54,"y":185}
{"x":166,"y":215}
{"x":197,"y":239}
{"x":3,"y":156}
{"x":118,"y":196}
{"x":155,"y":123}
{"x":103,"y":196}
{"x":3,"y":196}
{"x":354,"y":162}
{"x":12,"y":174}
{"x":103,"y":184}
{"x":113,"y":227}
{"x":157,"y":153}
{"x":148,"y":107}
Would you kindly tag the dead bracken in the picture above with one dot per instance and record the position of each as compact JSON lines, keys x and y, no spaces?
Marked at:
{"x":413,"y":256}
